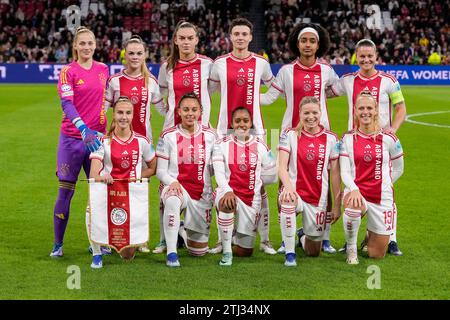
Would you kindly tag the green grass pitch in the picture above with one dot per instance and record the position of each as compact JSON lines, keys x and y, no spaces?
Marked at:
{"x":31,"y":119}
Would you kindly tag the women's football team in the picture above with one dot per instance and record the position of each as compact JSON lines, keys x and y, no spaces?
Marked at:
{"x":312,"y":161}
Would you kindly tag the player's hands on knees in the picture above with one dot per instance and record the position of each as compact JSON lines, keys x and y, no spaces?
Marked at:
{"x":228,"y":201}
{"x":90,"y":138}
{"x":335,"y":214}
{"x":354,"y":200}
{"x":288,"y":196}
{"x":175,"y":188}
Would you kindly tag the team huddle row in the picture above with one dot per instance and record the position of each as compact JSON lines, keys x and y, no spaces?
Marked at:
{"x":311,"y":162}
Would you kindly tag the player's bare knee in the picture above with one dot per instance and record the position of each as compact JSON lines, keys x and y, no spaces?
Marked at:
{"x":128,"y":253}
{"x":197,"y":243}
{"x":313,"y":245}
{"x":239,"y":251}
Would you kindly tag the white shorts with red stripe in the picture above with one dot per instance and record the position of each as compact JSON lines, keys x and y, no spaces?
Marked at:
{"x":314,"y":219}
{"x":246,"y":218}
{"x":197,"y":213}
{"x":380,"y":217}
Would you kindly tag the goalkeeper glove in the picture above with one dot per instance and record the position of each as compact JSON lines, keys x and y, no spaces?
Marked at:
{"x":90,"y":137}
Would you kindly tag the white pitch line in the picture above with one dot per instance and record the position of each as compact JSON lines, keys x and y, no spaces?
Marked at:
{"x":408,"y":119}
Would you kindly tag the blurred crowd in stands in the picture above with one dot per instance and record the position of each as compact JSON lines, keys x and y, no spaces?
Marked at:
{"x":406,"y":31}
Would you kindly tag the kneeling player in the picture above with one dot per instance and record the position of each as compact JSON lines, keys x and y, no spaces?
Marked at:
{"x":242,"y":164}
{"x":305,"y":153}
{"x":184,"y":168}
{"x":371,"y":161}
{"x":120,"y":147}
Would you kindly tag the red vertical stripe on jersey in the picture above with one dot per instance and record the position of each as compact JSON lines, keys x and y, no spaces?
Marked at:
{"x":368,"y":155}
{"x":138,"y":94}
{"x":242,"y":162}
{"x":187,"y":77}
{"x":373,"y":85}
{"x":311,"y":153}
{"x":241,"y":85}
{"x":124,"y":158}
{"x":307,"y":82}
{"x":118,"y":214}
{"x":191,"y":163}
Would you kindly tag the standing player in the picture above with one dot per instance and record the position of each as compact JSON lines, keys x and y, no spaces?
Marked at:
{"x":185,"y":71}
{"x":386,"y":90}
{"x":81,"y":88}
{"x":305,"y":76}
{"x":137,"y":83}
{"x":121,"y":156}
{"x":239,"y":74}
{"x":371,"y":161}
{"x":242,"y":164}
{"x":184,"y":164}
{"x":305,"y":153}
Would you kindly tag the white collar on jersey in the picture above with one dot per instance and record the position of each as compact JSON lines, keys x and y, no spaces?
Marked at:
{"x":187,"y":133}
{"x":131,"y":77}
{"x":306,"y":133}
{"x":367,"y":78}
{"x":188,"y":61}
{"x":305,"y":67}
{"x":123,"y":141}
{"x":235,"y":139}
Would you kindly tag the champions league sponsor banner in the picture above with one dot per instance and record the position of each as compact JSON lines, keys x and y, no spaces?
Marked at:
{"x":406,"y":75}
{"x":119,"y":213}
{"x":49,"y":73}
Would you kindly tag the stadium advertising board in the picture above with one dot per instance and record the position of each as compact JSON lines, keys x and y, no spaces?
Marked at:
{"x":49,"y":73}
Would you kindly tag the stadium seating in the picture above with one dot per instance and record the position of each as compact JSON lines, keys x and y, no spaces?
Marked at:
{"x":411,"y":30}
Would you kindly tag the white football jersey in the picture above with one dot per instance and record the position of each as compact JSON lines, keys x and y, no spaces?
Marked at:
{"x":189,"y":158}
{"x":187,"y":76}
{"x":384,"y":87}
{"x":134,"y":88}
{"x":124,"y":159}
{"x":244,"y":164}
{"x":240,"y":82}
{"x":370,"y":163}
{"x":309,"y":156}
{"x":296,"y":81}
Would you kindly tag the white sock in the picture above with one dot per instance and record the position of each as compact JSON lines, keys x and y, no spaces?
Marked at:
{"x":326,"y":234}
{"x":288,"y":226}
{"x":95,"y":247}
{"x":352,"y":221}
{"x":219,"y":239}
{"x":226,"y":225}
{"x":393,"y":236}
{"x":172,"y":222}
{"x":263,"y":223}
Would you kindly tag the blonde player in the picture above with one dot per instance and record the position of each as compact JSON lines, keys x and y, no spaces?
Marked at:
{"x":81,"y":88}
{"x":184,"y":71}
{"x":305,"y":76}
{"x":387,"y":92}
{"x":305,"y":154}
{"x":121,"y":156}
{"x":184,"y":168}
{"x":371,"y":162}
{"x":140,"y":86}
{"x":242,"y":164}
{"x":239,"y":75}
{"x":137,"y":83}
